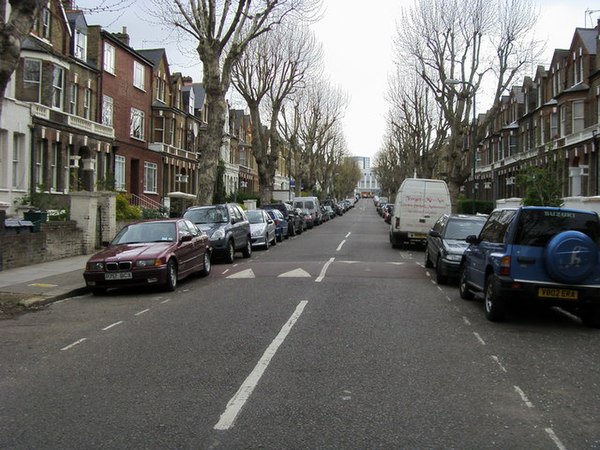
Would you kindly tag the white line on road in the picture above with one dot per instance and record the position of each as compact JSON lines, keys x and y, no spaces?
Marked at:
{"x":555,"y":439}
{"x":340,"y":246}
{"x":243,"y":394}
{"x":112,"y":325}
{"x":74,"y":344}
{"x":495,"y":358}
{"x":479,"y":338}
{"x":348,"y":235}
{"x":323,"y":270}
{"x":139,"y":313}
{"x":466,"y":320}
{"x":167,"y":300}
{"x":523,"y":397}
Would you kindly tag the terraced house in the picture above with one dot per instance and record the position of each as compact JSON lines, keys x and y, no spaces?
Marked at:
{"x":551,"y":120}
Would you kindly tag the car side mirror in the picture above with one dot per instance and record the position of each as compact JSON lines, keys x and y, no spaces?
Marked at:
{"x":105,"y":244}
{"x":472,"y":239}
{"x":186,"y":238}
{"x":233,"y":221}
{"x":434,"y":233}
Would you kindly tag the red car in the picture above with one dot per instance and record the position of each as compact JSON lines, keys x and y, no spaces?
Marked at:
{"x":156,"y":252}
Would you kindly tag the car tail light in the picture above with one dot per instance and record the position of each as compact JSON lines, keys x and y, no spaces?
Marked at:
{"x":397,"y":222}
{"x":505,"y":266}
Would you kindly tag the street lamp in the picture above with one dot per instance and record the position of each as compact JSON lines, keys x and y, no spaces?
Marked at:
{"x":453,"y":82}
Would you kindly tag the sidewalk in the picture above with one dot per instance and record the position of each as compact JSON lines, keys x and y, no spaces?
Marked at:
{"x":43,"y":283}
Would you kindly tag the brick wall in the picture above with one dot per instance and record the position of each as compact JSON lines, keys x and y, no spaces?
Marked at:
{"x":55,"y":241}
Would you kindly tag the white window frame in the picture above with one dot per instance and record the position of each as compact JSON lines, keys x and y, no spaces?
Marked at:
{"x":37,"y":81}
{"x":46,"y":23}
{"x":109,"y":58}
{"x":80,"y":45}
{"x":87,"y":103}
{"x":150,"y":177}
{"x":17,"y":155}
{"x":578,"y":120}
{"x":137,"y":124}
{"x":120,"y":164}
{"x":73,"y":97}
{"x":58,"y":89}
{"x":139,"y":74}
{"x":53,"y":166}
{"x":107,"y":110}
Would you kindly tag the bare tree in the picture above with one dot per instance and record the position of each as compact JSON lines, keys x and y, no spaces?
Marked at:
{"x":221,"y":31}
{"x":458,"y":47}
{"x":274,"y":66}
{"x":12,"y":33}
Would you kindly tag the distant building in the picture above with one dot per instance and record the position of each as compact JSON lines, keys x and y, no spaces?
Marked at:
{"x":367,"y":186}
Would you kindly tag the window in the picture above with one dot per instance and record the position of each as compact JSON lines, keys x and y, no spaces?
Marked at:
{"x":109,"y":58}
{"x":554,"y":126}
{"x":32,"y":77}
{"x":57,"y":87}
{"x":80,"y":47}
{"x":17,"y":166}
{"x":137,"y":124}
{"x":578,"y":114}
{"x":150,"y":176}
{"x":54,"y":166}
{"x":39,"y":161}
{"x":87,"y":100}
{"x":119,"y":173}
{"x":563,"y":120}
{"x":160,"y":88}
{"x":138,"y":75}
{"x":46,"y":23}
{"x":107,"y":110}
{"x":74,"y":90}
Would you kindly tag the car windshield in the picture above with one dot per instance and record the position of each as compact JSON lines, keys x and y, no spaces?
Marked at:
{"x":461,"y":228}
{"x":255,"y":217}
{"x":211,"y":214}
{"x":537,"y":227}
{"x":146,"y":232}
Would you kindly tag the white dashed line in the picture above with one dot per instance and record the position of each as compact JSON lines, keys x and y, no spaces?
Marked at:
{"x":479,"y":338}
{"x":112,"y":325}
{"x":495,"y":358}
{"x":139,"y":313}
{"x":166,"y":301}
{"x":466,"y":321}
{"x":324,"y":270}
{"x":523,"y":397}
{"x":234,"y":406}
{"x":340,"y":246}
{"x":555,"y":439}
{"x":348,"y":235}
{"x":73,"y":344}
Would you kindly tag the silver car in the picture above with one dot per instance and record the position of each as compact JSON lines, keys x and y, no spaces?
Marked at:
{"x":262,"y":228}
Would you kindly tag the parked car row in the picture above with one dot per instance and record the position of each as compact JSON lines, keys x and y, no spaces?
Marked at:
{"x":536,"y":256}
{"x":164,"y":251}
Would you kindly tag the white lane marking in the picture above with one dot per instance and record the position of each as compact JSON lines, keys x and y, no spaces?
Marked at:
{"x":234,"y":406}
{"x":296,"y":273}
{"x":166,"y":301}
{"x":323,"y":270}
{"x":555,"y":439}
{"x":479,"y":338}
{"x":340,"y":246}
{"x":395,"y":263}
{"x":348,"y":235}
{"x":466,"y":320}
{"x":74,"y":344}
{"x":112,"y":325}
{"x":139,"y":313}
{"x":428,"y":274}
{"x":495,"y":358}
{"x":224,"y":272}
{"x":248,"y":273}
{"x":523,"y":397}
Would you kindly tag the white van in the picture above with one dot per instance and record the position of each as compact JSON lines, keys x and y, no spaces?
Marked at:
{"x":313,"y":206}
{"x":419,"y":203}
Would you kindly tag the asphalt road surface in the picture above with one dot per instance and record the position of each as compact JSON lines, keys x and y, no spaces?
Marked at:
{"x":329,"y":340}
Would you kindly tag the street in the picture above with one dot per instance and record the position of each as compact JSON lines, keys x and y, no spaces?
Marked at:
{"x":331,"y":339}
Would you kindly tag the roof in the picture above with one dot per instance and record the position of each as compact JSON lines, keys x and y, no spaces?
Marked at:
{"x":154,"y":54}
{"x":199,"y":95}
{"x":588,"y":37}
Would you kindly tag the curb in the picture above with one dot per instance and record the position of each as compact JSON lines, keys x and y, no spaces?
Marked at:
{"x":38,"y":300}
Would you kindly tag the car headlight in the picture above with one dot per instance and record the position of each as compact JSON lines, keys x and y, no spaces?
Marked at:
{"x":148,"y":263}
{"x":257,"y":232}
{"x":95,"y":266}
{"x":218,"y":234}
{"x":453,"y":257}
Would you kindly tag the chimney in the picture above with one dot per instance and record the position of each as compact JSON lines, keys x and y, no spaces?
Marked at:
{"x":187,"y":81}
{"x":123,"y":36}
{"x":68,"y":5}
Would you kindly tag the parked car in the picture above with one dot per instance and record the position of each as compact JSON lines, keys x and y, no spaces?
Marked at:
{"x":388,"y":213}
{"x":329,"y":212}
{"x":227,"y":227}
{"x":543,"y":255}
{"x":301,"y":217}
{"x":446,"y":243}
{"x":289,"y":213}
{"x":312,"y":205}
{"x":309,"y":220}
{"x":157,"y":252}
{"x":262,"y":228}
{"x":281,"y":225}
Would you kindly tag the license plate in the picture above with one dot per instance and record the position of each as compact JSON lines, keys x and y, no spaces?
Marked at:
{"x":417,"y":236}
{"x":564,"y":294}
{"x":118,"y":276}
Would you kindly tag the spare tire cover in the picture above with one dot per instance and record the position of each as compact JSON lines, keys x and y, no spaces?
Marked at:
{"x":571,"y":256}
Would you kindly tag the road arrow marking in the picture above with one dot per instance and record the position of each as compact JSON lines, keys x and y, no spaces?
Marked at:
{"x":243,"y":274}
{"x":296,"y":273}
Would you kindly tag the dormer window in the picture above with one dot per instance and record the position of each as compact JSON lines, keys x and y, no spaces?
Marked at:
{"x":80,"y":47}
{"x":46,"y":23}
{"x":577,"y":67}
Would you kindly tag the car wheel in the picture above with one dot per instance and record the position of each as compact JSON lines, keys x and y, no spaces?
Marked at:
{"x":171,"y":283}
{"x":98,"y":291}
{"x":439,"y":277}
{"x":428,"y":262}
{"x":247,"y":252}
{"x":267,"y":241}
{"x":463,"y":288}
{"x":274,"y":240}
{"x":590,"y":316}
{"x":495,"y":308}
{"x":206,"y":266}
{"x":230,"y":255}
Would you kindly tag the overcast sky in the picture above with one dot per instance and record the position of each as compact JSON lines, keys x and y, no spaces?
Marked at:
{"x":357,"y":44}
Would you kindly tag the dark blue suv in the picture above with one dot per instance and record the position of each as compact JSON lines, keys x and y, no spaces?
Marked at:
{"x":545,"y":255}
